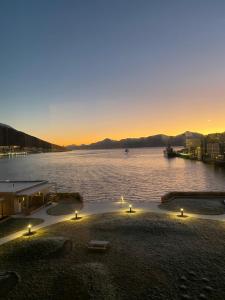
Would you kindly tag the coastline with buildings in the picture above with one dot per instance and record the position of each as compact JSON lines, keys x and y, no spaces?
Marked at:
{"x":208,"y":149}
{"x":13,"y":151}
{"x":14,"y":143}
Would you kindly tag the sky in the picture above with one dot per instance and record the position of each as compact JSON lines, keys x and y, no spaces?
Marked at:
{"x":74,"y":72}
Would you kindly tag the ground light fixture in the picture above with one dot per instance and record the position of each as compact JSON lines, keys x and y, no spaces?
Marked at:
{"x":76,"y":217}
{"x":29,"y":229}
{"x":130,"y":208}
{"x":181,"y":214}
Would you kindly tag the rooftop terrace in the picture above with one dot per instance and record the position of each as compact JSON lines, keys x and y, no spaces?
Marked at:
{"x":23,"y":187}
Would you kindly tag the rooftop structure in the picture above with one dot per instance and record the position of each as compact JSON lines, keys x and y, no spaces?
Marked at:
{"x":23,"y":187}
{"x":22,"y":196}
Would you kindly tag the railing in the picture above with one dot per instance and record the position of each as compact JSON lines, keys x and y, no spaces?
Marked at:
{"x":171,"y":195}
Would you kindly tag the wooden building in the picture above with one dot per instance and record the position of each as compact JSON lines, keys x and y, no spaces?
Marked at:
{"x":22,"y":196}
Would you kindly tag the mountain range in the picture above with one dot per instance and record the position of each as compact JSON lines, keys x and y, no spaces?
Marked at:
{"x":12,"y":137}
{"x":9,"y":136}
{"x":159,"y":140}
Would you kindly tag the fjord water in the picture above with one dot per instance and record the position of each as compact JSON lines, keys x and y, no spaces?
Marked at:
{"x":104,"y":175}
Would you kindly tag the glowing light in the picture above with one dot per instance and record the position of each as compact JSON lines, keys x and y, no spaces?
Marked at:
{"x":29,"y":228}
{"x":181,"y":212}
{"x":76,"y":214}
{"x":130,"y":208}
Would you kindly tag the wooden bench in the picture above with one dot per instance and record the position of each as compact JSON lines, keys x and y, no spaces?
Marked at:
{"x":95,"y":245}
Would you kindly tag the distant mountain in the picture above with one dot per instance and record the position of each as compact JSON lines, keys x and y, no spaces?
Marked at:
{"x":159,"y":140}
{"x":216,"y":137}
{"x":12,"y":137}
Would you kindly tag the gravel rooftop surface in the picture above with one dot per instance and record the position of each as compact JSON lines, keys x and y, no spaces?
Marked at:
{"x":16,"y":224}
{"x":152,"y":256}
{"x":65,"y":207}
{"x":205,"y":206}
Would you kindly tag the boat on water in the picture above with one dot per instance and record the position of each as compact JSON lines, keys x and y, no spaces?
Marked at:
{"x":169,"y":152}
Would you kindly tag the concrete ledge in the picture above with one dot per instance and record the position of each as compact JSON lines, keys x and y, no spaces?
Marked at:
{"x":2,"y":220}
{"x":171,"y":195}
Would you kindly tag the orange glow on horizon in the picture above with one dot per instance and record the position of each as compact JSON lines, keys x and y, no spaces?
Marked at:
{"x":118,"y":136}
{"x":86,"y":125}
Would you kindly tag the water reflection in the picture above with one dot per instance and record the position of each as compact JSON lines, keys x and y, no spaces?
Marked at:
{"x":104,"y":175}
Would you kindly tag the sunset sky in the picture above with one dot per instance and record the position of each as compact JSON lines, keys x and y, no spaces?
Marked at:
{"x":80,"y":71}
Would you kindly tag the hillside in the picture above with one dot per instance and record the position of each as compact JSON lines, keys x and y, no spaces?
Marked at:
{"x":159,"y":140}
{"x":12,"y":137}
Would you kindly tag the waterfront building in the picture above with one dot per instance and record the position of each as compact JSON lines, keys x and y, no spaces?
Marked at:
{"x":215,"y":151}
{"x":194,"y":147}
{"x":22,"y":196}
{"x":215,"y":147}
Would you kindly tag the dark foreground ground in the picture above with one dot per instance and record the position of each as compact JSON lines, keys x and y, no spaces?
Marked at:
{"x":151,"y":257}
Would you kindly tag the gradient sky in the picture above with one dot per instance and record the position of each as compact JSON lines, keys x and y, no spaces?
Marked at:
{"x":80,"y":71}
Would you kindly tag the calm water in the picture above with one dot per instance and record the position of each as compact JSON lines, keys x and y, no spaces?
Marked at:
{"x":104,"y":175}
